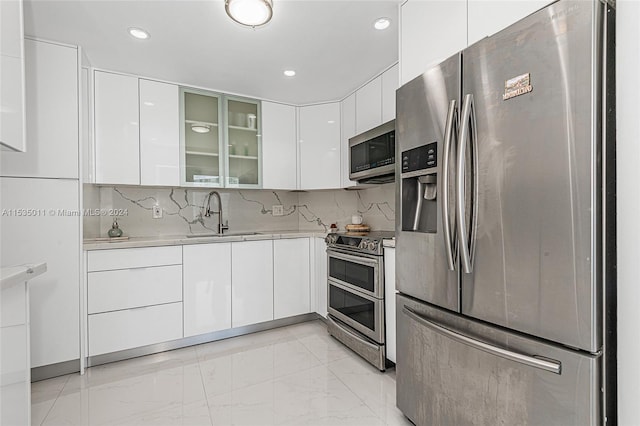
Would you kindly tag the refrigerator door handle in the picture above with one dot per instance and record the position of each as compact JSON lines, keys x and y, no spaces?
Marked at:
{"x":532,"y":361}
{"x":451,"y":130}
{"x":467,"y":131}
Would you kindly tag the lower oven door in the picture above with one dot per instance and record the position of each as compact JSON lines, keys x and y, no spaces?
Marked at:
{"x":358,"y":310}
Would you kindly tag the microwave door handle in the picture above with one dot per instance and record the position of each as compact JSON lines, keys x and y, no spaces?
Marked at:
{"x":463,"y":236}
{"x":451,"y":128}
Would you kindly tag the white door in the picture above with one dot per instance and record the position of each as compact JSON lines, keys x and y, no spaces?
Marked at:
{"x":291,"y":277}
{"x":279,"y":147}
{"x":51,"y":234}
{"x":207,"y":288}
{"x":320,"y":271}
{"x":369,"y":105}
{"x":487,"y":17}
{"x":252,"y":282}
{"x":319,"y":146}
{"x":348,"y":122}
{"x":117,"y":133}
{"x":52,"y":114}
{"x":390,"y":81}
{"x":432,"y":30}
{"x":159,"y":134}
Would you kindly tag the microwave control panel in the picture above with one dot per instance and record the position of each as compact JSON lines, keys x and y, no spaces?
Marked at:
{"x":420,"y":158}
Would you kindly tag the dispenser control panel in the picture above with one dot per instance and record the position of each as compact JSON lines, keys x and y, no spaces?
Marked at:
{"x":420,"y":158}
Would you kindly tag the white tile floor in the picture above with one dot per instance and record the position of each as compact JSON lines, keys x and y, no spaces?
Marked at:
{"x":296,"y":375}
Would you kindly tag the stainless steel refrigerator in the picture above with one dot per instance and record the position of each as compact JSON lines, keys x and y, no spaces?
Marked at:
{"x":505,"y":227}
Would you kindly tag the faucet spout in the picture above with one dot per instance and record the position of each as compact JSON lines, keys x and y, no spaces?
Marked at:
{"x":208,"y":212}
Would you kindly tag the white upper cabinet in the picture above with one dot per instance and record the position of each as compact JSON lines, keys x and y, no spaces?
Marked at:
{"x":279,"y":148}
{"x":252,"y":282}
{"x":432,"y":30}
{"x":319,"y":146}
{"x":390,"y":81}
{"x":489,"y":17}
{"x":117,"y":133}
{"x":52,"y":113}
{"x":348,"y":107}
{"x":291,"y":277}
{"x":369,"y":105}
{"x":12,"y":84}
{"x":159,"y":134}
{"x":207,"y":288}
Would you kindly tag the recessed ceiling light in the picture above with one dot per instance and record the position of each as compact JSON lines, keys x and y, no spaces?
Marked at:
{"x":147,"y":103}
{"x":139,"y":33}
{"x":200,"y":128}
{"x":289,"y":73}
{"x":331,"y":121}
{"x":382,"y":23}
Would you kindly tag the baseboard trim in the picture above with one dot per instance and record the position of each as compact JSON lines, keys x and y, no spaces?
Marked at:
{"x":54,"y":370}
{"x":92,"y":361}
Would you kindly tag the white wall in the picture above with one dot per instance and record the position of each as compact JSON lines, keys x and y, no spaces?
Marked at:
{"x":628,"y":158}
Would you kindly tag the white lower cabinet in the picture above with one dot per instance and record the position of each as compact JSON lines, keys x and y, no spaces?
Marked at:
{"x":130,"y":288}
{"x":132,"y":328}
{"x":320,"y":275}
{"x":207,"y":288}
{"x":134,"y":298}
{"x":291,"y":281}
{"x":252,"y":282}
{"x":390,"y":301}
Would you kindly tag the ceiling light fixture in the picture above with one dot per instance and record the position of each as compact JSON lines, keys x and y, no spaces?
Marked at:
{"x":289,"y":73}
{"x":200,"y":128}
{"x":382,"y":23}
{"x":139,"y":33}
{"x":251,"y":13}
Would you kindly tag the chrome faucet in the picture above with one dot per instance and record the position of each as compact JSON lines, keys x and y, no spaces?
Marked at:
{"x":208,"y":212}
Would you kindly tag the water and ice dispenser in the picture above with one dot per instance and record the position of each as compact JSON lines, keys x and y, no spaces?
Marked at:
{"x":419,"y":189}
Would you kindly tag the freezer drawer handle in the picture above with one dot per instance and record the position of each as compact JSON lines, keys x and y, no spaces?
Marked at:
{"x":543,"y":364}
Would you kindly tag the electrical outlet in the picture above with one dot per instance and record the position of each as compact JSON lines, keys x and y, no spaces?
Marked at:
{"x":157,"y":212}
{"x":277,"y":210}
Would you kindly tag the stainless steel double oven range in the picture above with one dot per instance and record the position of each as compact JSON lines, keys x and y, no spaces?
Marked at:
{"x":355,"y":293}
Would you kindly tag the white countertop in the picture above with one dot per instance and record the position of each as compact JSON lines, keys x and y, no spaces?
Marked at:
{"x":12,"y":275}
{"x":172,"y":240}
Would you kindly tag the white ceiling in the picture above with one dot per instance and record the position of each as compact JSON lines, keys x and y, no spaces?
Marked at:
{"x":332,"y":45}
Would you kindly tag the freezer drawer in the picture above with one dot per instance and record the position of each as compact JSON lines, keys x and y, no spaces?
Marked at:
{"x":448,"y":375}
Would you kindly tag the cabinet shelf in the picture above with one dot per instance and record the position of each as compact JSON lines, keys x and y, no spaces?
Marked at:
{"x":247,"y":129}
{"x":201,"y":122}
{"x":204,"y":154}
{"x":243,"y":157}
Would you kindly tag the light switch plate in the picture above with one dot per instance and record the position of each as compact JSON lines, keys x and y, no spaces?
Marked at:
{"x":157,"y":212}
{"x":277,"y":210}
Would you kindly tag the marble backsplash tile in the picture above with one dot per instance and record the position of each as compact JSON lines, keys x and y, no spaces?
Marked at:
{"x":245,"y":210}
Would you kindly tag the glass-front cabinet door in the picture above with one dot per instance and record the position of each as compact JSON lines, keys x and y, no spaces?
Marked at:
{"x":202,"y":154}
{"x":244,"y":165}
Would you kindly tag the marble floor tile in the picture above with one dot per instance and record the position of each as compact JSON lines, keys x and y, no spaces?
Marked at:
{"x":44,"y":395}
{"x":256,"y":365}
{"x":296,"y":375}
{"x":313,"y":396}
{"x":324,"y":347}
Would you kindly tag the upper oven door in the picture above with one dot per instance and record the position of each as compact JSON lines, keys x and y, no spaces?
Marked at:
{"x":361,"y":273}
{"x":373,"y":153}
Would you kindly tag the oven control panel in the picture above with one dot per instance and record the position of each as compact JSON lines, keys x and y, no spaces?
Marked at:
{"x":357,"y":244}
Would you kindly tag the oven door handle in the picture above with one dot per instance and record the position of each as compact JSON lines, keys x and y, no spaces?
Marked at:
{"x":354,"y":335}
{"x":355,"y":259}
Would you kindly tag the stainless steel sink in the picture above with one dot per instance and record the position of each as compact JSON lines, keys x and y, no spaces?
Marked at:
{"x":229,"y":234}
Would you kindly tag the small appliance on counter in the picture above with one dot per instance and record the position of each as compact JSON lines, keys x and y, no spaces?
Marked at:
{"x":355,"y":295}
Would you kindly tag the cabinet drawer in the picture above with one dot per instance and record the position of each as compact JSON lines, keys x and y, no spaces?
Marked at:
{"x":132,"y":288}
{"x":104,"y":260}
{"x":132,"y":328}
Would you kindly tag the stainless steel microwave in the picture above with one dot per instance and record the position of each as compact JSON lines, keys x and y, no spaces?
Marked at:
{"x":372,"y":155}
